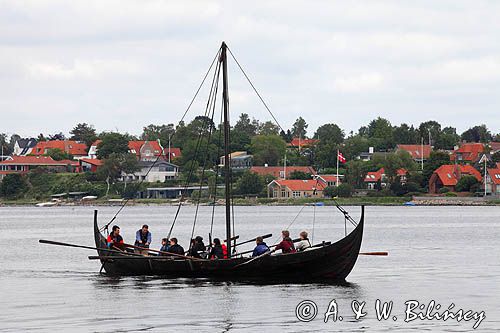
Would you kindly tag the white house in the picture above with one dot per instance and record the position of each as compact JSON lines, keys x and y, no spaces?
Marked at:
{"x":160,"y":172}
{"x":24,"y":147}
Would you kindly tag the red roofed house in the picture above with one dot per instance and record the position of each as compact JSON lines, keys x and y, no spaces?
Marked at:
{"x":89,"y":164}
{"x":23,"y":164}
{"x":68,"y":146}
{"x":295,"y":188}
{"x":417,"y":152}
{"x":468,"y":152}
{"x":144,"y":150}
{"x":281,"y":172}
{"x":302,"y":143}
{"x":494,"y":147}
{"x":448,"y":176}
{"x":373,"y":177}
{"x":492,"y":181}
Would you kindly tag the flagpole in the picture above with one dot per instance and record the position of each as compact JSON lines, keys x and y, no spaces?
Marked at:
{"x":484,"y":180}
{"x":337,"y":180}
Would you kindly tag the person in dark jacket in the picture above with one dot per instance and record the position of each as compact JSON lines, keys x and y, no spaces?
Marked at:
{"x":261,"y":247}
{"x":174,"y":247}
{"x":114,"y":239}
{"x":165,"y":246}
{"x":197,"y":248}
{"x":286,"y":245}
{"x":217,"y":252}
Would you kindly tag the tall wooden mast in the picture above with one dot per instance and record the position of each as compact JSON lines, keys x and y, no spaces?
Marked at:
{"x":227,"y":150}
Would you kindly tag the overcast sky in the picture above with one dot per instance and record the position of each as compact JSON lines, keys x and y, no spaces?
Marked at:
{"x":120,"y":65}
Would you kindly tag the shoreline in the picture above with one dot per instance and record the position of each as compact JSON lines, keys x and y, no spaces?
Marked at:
{"x":353,"y":201}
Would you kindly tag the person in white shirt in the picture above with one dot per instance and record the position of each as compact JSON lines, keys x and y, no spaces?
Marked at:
{"x":303,"y":243}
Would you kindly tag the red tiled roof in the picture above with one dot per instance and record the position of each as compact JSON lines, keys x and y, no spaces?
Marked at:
{"x":495,"y":175}
{"x":298,"y":142}
{"x":374,"y":176}
{"x":93,"y":161}
{"x":174,"y":152}
{"x":301,"y":185}
{"x":401,"y":172}
{"x":36,"y":160}
{"x":495,"y":146}
{"x":469,"y":151}
{"x":135,"y":147}
{"x":416,"y":150}
{"x":448,"y":173}
{"x":69,"y":146}
{"x":276,"y":170}
{"x":329,"y":178}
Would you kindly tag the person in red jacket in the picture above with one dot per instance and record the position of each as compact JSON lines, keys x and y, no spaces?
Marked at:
{"x":114,"y":239}
{"x":286,"y":245}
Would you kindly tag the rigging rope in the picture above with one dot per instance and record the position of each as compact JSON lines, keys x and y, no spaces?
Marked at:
{"x":105,"y":227}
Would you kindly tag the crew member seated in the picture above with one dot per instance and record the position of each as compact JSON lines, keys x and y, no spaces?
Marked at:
{"x":165,"y":246}
{"x":261,"y":247}
{"x":303,"y":243}
{"x":286,"y":245}
{"x":197,"y":248}
{"x":217,"y":252}
{"x":174,"y":247}
{"x":114,"y":239}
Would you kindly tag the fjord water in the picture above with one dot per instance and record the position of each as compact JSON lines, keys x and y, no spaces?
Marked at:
{"x":446,"y":254}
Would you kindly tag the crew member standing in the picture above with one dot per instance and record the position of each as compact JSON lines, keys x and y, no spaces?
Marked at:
{"x":142,"y":240}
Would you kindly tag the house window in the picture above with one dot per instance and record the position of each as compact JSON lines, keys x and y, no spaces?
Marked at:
{"x":282,"y":174}
{"x":296,"y":194}
{"x":283,"y":193}
{"x":275,"y":193}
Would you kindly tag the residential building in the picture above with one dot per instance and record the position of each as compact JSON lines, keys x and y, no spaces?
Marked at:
{"x":293,"y":188}
{"x":281,"y":172}
{"x":23,"y":164}
{"x":492,"y":181}
{"x":494,"y":147}
{"x":374,"y":177}
{"x":303,"y":143}
{"x":467,"y":153}
{"x":23,"y":147}
{"x":76,"y":149}
{"x":329,"y":180}
{"x":240,"y":160}
{"x":88,"y":164}
{"x":144,"y":150}
{"x":448,"y":176}
{"x":153,"y":172}
{"x":366,"y":156}
{"x":417,"y":152}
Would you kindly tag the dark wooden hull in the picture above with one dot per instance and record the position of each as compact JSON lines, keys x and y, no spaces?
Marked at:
{"x":331,"y":262}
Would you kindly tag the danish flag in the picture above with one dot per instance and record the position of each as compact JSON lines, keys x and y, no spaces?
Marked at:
{"x":341,"y":157}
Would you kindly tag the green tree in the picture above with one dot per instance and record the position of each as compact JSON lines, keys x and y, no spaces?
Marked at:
{"x":477,"y":134}
{"x":250,"y":183}
{"x":343,"y":191}
{"x":355,"y":173}
{"x":299,"y":128}
{"x":330,"y":133}
{"x":84,"y":132}
{"x":380,"y":132}
{"x":432,"y":127}
{"x":268,"y":149}
{"x":355,"y":145}
{"x":268,"y":128}
{"x":246,"y":126}
{"x":436,"y":159}
{"x":4,"y":145}
{"x":58,"y":155}
{"x":158,"y":132}
{"x":12,"y":185}
{"x":113,"y":166}
{"x":466,"y":184}
{"x":405,"y":134}
{"x":112,"y":143}
{"x":57,"y":136}
{"x":496,"y":157}
{"x":447,"y":139}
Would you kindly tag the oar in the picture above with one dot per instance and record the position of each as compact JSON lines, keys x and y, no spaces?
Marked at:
{"x":374,"y":253}
{"x":232,"y":238}
{"x":254,"y":239}
{"x":161,"y":252}
{"x":268,"y":252}
{"x":43,"y":241}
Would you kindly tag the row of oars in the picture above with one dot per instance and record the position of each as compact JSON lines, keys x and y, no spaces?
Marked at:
{"x":140,"y":256}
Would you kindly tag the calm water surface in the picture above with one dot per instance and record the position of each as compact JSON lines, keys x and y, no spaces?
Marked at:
{"x":446,"y":254}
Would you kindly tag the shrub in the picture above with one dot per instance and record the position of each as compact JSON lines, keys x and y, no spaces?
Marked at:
{"x":12,"y":185}
{"x":450,"y":194}
{"x":466,"y":184}
{"x":444,"y":190}
{"x":343,"y":191}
